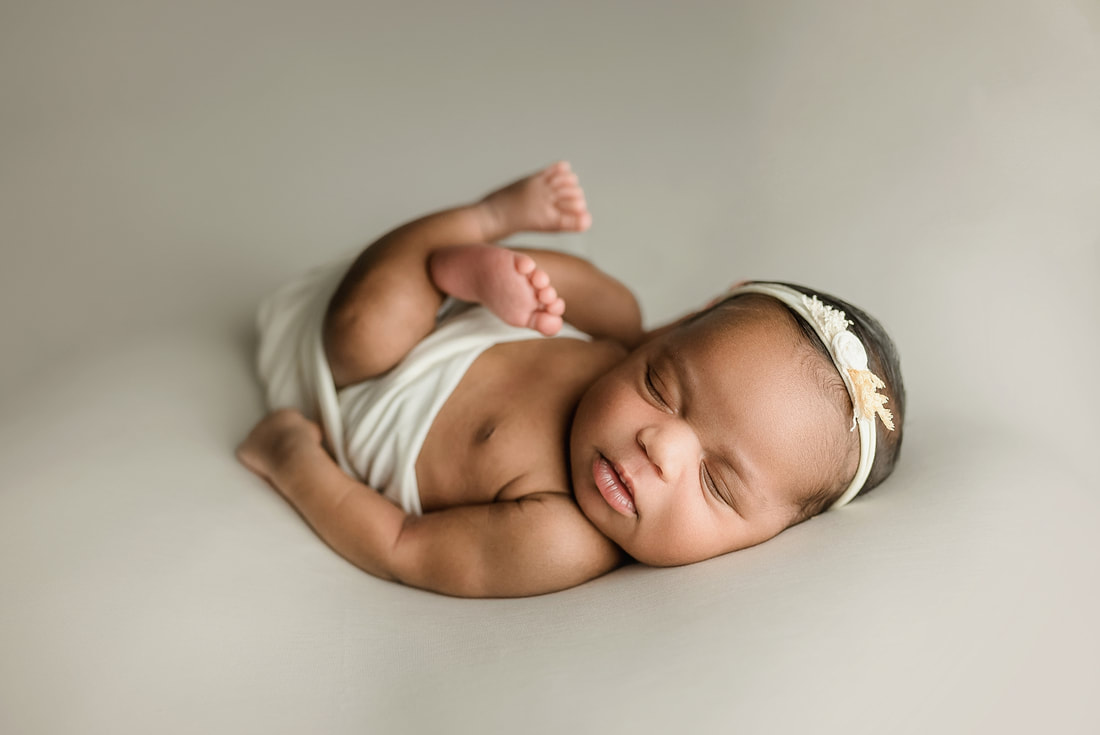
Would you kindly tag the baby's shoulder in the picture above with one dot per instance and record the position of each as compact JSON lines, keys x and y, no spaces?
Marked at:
{"x":592,"y":354}
{"x":558,"y":360}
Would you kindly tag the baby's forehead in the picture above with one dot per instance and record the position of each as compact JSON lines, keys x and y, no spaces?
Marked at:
{"x":756,"y":340}
{"x":750,"y":322}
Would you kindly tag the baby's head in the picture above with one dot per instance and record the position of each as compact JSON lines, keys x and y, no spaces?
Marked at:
{"x":738,"y":424}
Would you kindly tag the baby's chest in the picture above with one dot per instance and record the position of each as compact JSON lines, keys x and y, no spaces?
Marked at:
{"x":503,"y":433}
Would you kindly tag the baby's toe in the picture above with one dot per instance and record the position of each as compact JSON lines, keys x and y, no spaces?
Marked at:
{"x":572,"y":202}
{"x":548,"y":324}
{"x":558,"y":169}
{"x":574,"y":221}
{"x":547,"y":296}
{"x":555,"y":307}
{"x":539,"y":279}
{"x":525,"y":264}
{"x":563,"y":179}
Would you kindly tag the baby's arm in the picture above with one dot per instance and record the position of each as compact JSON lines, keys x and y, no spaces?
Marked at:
{"x":537,"y":544}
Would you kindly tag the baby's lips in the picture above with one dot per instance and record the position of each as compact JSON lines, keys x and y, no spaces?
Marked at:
{"x":614,"y":488}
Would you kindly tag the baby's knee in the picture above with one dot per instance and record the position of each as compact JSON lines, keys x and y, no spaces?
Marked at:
{"x":369,"y":339}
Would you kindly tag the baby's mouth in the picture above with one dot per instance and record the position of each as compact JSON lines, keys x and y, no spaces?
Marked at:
{"x":613,"y":487}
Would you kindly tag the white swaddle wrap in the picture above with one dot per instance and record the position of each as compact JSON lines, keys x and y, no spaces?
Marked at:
{"x":374,"y":428}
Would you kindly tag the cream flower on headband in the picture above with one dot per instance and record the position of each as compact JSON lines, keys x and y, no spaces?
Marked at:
{"x":851,"y":357}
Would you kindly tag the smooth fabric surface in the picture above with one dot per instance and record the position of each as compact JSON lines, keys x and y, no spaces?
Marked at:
{"x":166,"y":165}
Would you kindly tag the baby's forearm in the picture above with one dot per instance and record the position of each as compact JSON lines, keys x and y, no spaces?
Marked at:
{"x":595,"y":302}
{"x":535,"y":544}
{"x":358,"y":523}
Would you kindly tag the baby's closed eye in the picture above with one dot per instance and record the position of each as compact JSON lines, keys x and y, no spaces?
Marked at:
{"x":715,"y":487}
{"x":651,"y":381}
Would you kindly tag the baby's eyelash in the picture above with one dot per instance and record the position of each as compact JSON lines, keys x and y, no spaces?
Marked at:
{"x":651,"y":387}
{"x":708,"y":482}
{"x":712,"y":486}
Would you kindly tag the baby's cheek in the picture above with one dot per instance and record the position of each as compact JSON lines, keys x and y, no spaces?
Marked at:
{"x":622,"y":402}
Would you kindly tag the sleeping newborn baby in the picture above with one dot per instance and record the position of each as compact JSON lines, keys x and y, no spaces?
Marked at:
{"x":487,"y":421}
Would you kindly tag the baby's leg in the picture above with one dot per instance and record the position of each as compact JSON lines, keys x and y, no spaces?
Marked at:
{"x":387,"y":301}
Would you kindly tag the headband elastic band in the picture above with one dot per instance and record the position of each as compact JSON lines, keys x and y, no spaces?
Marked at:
{"x":850,"y":358}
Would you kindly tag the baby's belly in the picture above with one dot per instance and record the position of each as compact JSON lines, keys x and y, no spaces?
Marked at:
{"x":503,"y":432}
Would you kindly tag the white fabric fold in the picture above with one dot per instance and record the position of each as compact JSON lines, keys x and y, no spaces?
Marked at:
{"x":375,"y":428}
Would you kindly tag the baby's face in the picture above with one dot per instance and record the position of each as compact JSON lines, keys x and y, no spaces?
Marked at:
{"x":703,"y":441}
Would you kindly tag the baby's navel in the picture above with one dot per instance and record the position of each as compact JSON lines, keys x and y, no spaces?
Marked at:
{"x":485,"y":431}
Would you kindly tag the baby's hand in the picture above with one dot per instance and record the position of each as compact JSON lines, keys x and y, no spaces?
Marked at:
{"x":276,"y":439}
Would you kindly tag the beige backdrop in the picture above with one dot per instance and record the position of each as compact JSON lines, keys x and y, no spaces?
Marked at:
{"x":164,"y":164}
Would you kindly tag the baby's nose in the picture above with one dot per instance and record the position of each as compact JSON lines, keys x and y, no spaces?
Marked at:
{"x":668,"y":447}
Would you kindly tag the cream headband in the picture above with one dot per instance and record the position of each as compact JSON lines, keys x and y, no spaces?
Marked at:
{"x":850,"y":357}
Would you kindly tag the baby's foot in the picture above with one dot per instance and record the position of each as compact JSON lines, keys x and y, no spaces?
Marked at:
{"x":507,"y":283}
{"x":274,"y":441}
{"x":548,"y":201}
